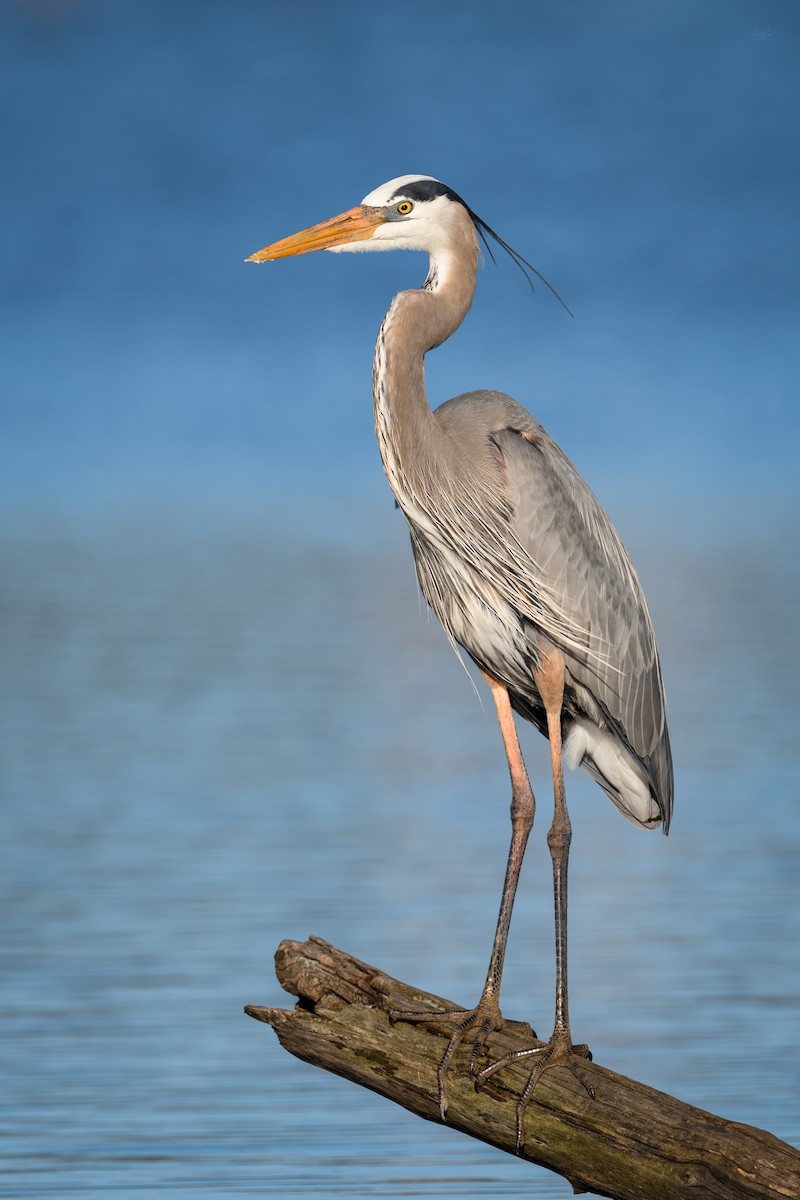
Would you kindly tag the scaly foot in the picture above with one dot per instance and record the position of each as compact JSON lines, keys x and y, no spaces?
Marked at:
{"x":480,"y":1021}
{"x":558,"y":1052}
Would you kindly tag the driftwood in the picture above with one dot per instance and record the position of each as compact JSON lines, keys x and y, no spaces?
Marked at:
{"x":629,"y":1142}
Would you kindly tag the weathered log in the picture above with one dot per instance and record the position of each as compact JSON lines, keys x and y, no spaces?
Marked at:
{"x":629,"y":1142}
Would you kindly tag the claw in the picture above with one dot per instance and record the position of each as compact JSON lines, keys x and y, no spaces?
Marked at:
{"x":486,"y":1012}
{"x":556,"y":1053}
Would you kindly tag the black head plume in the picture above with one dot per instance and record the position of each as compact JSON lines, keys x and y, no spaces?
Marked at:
{"x":427,"y":189}
{"x":485,"y":232}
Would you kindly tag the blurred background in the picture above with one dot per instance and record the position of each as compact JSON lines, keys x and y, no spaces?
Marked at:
{"x":226,"y":717}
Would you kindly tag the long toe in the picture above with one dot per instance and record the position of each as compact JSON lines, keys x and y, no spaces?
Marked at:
{"x":478,"y":1023}
{"x":558,"y":1052}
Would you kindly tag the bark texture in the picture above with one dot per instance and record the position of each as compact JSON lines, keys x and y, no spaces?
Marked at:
{"x":629,"y":1142}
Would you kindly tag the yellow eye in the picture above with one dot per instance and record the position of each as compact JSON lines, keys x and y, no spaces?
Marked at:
{"x":404,"y":207}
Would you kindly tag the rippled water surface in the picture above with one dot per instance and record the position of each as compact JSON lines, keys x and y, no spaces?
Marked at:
{"x":220,"y":732}
{"x":225,"y":718}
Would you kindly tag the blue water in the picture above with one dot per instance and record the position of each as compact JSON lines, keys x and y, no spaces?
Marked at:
{"x":217,"y":734}
{"x":644,"y":157}
{"x":225,"y":718}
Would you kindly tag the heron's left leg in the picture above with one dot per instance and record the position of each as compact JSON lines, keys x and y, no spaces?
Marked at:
{"x":559,"y":1051}
{"x":485,"y":1018}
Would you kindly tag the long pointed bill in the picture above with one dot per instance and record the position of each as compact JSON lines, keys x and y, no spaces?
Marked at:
{"x":352,"y":226}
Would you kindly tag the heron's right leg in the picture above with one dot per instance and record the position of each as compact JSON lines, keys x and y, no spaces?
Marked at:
{"x":486,"y":1016}
{"x":559,"y":1051}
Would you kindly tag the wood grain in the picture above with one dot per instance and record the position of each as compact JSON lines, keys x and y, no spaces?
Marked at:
{"x":630,"y":1142}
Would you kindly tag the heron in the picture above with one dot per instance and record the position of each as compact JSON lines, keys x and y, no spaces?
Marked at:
{"x":522,"y":566}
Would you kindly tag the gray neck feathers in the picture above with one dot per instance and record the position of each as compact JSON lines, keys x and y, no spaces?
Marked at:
{"x":411,"y":443}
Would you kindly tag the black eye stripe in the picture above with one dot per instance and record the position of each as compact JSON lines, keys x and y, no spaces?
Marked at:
{"x":429,"y":189}
{"x":426,"y":189}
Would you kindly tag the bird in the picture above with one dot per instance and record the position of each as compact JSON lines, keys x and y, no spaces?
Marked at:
{"x":523,"y":568}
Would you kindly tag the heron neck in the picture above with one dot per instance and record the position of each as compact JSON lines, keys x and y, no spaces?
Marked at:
{"x":409,"y":437}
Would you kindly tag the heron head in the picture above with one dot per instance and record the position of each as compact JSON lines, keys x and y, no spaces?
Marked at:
{"x":412,"y":212}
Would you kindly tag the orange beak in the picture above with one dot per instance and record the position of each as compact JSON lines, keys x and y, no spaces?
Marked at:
{"x":352,"y":226}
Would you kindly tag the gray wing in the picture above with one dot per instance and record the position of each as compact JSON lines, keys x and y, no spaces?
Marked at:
{"x":578,"y":556}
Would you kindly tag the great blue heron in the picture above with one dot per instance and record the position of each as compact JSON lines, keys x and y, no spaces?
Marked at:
{"x":521,"y":565}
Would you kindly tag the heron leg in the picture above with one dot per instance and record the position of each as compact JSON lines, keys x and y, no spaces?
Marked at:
{"x":523,"y":810}
{"x":486,"y":1017}
{"x":559,"y":1051}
